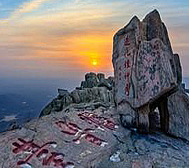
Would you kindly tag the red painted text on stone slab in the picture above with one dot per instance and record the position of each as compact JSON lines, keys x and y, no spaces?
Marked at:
{"x":40,"y":152}
{"x":97,"y":120}
{"x":73,"y":129}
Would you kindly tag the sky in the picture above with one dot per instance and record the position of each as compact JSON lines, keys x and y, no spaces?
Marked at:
{"x":67,"y":38}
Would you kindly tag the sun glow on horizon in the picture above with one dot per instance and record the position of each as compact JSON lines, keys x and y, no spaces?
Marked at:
{"x":94,"y":62}
{"x":93,"y":50}
{"x":63,"y":38}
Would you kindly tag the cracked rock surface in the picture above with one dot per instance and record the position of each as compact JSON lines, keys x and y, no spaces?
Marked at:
{"x":85,"y":142}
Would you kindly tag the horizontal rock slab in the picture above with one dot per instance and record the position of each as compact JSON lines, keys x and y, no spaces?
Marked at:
{"x":85,"y":139}
{"x":76,"y":139}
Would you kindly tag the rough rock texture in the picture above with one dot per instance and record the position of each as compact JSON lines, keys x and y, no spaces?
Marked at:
{"x":88,"y":139}
{"x":57,"y":105}
{"x":93,"y":80}
{"x":95,"y":88}
{"x":85,"y":95}
{"x":63,"y":140}
{"x":149,"y":151}
{"x":178,"y":107}
{"x":143,"y":61}
{"x":146,"y":73}
{"x":62,"y":92}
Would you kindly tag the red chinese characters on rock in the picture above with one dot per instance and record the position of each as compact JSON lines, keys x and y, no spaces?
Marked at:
{"x":127,"y":64}
{"x":34,"y":150}
{"x":127,"y":76}
{"x":97,"y":120}
{"x":73,"y":129}
{"x":126,"y":41}
{"x":57,"y":159}
{"x":127,"y":87}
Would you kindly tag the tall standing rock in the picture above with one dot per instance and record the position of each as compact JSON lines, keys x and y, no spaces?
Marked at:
{"x":178,"y":107}
{"x":145,"y":69}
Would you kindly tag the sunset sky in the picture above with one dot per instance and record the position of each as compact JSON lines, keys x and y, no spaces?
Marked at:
{"x":67,"y":38}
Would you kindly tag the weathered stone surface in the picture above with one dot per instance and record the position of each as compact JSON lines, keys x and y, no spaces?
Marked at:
{"x":178,"y":107}
{"x":100,"y":76}
{"x":128,"y":116}
{"x":110,"y":146}
{"x":91,"y":80}
{"x":105,"y":83}
{"x":143,"y":60}
{"x":95,"y":88}
{"x":149,"y":151}
{"x":62,"y":92}
{"x":111,"y":81}
{"x":146,"y":72}
{"x":60,"y":141}
{"x":57,"y":104}
{"x":178,"y":69}
{"x":92,"y":94}
{"x":85,"y":95}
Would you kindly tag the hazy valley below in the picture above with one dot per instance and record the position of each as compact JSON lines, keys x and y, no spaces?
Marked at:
{"x":23,"y":99}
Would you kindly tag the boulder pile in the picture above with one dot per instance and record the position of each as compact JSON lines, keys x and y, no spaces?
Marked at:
{"x":95,"y":91}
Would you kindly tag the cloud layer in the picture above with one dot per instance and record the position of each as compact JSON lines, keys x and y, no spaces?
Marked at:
{"x":61,"y":38}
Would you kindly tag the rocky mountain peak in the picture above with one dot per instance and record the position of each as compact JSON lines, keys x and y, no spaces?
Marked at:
{"x":85,"y":128}
{"x":152,"y":16}
{"x":148,"y":77}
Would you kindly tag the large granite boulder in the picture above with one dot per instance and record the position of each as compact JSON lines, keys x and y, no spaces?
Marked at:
{"x":92,"y":94}
{"x":105,"y":83}
{"x":143,"y":61}
{"x":100,"y":76}
{"x":57,"y":104}
{"x":178,"y":107}
{"x":93,"y":80}
{"x":146,"y":71}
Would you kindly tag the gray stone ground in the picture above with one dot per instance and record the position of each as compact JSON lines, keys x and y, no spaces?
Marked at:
{"x":121,"y":148}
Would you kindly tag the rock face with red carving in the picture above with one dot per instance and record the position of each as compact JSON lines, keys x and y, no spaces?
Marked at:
{"x":142,"y":59}
{"x":146,"y":72}
{"x":85,"y":139}
{"x":63,"y":140}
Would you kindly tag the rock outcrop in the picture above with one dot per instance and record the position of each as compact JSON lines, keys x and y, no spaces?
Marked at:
{"x":81,"y":139}
{"x":178,"y":108}
{"x":87,"y":132}
{"x":96,"y":89}
{"x":94,"y":80}
{"x":147,"y":73}
{"x":63,"y":140}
